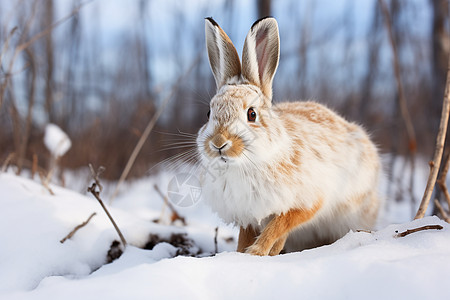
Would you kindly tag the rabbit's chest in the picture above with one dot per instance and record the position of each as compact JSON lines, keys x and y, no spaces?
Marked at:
{"x":245,"y":201}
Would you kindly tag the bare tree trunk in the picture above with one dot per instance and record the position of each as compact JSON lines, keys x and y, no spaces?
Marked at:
{"x":49,"y":12}
{"x":440,"y":56}
{"x":25,"y":135}
{"x":264,"y":8}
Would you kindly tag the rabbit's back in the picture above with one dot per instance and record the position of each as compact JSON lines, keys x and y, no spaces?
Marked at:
{"x":338,"y":163}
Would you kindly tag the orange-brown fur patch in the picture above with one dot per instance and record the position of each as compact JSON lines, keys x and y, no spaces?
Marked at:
{"x":247,"y":237}
{"x":278,"y":246}
{"x":219,"y":137}
{"x":280,"y":226}
{"x":288,"y":167}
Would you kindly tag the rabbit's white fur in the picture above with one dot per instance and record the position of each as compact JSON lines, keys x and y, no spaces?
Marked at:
{"x":297,"y":157}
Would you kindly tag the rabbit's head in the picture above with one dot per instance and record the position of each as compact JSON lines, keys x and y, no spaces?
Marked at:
{"x":240,"y":123}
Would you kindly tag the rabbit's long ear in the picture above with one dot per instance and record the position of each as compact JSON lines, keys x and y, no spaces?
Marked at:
{"x":261,"y":54}
{"x":223,"y":57}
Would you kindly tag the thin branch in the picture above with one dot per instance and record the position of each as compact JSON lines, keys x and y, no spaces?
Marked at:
{"x":427,"y":227}
{"x":71,"y":234}
{"x":36,"y":37}
{"x":442,"y":179}
{"x":47,"y":30}
{"x":437,"y":157}
{"x":175,"y":214}
{"x":96,"y":175}
{"x":442,"y":211}
{"x":149,"y":128}
{"x":6,"y":44}
{"x":93,"y":190}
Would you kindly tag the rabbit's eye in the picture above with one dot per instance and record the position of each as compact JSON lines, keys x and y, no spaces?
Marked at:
{"x":208,"y":114}
{"x":251,"y":115}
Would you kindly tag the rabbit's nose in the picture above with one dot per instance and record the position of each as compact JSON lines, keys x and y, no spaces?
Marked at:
{"x":220,"y":143}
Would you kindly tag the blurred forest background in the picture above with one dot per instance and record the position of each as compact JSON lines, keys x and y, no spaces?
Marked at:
{"x":101,"y":69}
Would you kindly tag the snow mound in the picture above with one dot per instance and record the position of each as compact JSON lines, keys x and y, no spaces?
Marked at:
{"x":56,"y":140}
{"x":35,"y":265}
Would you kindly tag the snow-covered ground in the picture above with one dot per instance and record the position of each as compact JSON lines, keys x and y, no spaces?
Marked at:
{"x":35,"y":265}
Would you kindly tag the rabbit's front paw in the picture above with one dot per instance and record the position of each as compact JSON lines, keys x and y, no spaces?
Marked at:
{"x":256,"y":249}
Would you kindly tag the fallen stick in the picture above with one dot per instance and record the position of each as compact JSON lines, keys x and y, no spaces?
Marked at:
{"x":427,"y":227}
{"x":71,"y":234}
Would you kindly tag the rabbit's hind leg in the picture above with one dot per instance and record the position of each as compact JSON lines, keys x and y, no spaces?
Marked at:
{"x":278,"y":246}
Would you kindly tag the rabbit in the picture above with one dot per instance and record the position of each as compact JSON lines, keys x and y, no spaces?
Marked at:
{"x":292,"y":175}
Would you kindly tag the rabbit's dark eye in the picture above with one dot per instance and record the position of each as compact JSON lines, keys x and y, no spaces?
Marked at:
{"x":251,"y":115}
{"x":208,"y":114}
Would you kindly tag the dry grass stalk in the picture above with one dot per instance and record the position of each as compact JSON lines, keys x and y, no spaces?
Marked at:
{"x":439,"y":149}
{"x":175,"y":214}
{"x":45,"y":183}
{"x":78,"y":227}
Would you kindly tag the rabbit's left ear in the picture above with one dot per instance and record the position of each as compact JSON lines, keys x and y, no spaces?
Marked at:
{"x":223,"y":57}
{"x":261,"y":54}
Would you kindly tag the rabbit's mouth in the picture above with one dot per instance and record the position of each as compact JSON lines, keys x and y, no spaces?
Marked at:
{"x":223,"y":146}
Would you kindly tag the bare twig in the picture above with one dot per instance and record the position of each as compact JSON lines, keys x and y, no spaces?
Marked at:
{"x":175,"y":214}
{"x":93,"y":190}
{"x":442,"y":211}
{"x":427,"y":227}
{"x":149,"y":128}
{"x":71,"y":234}
{"x":437,"y":157}
{"x":96,"y":175}
{"x":216,"y":233}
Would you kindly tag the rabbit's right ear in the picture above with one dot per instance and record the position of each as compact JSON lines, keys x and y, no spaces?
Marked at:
{"x":261,"y":54}
{"x":223,"y":57}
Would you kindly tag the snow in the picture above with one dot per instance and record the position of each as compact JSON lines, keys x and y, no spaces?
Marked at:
{"x":35,"y":265}
{"x":56,"y":140}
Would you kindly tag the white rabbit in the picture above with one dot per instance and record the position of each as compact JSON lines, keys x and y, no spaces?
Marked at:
{"x":291,"y":175}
